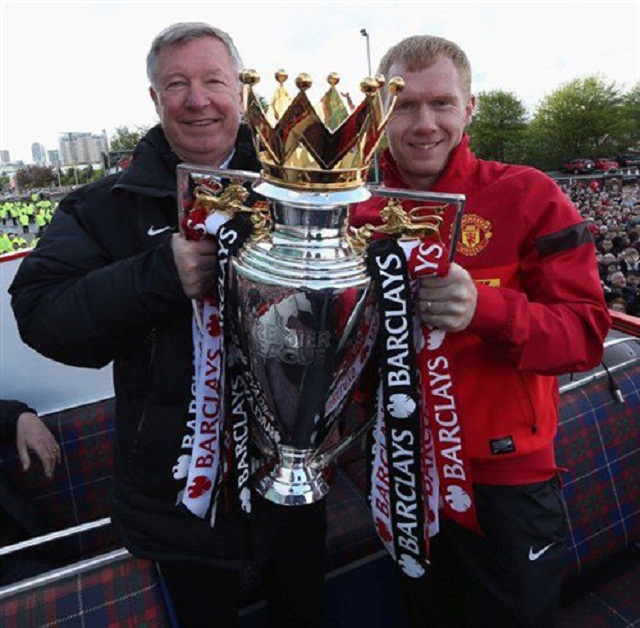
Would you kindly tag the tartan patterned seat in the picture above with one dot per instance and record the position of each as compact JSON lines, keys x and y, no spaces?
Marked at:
{"x":124,"y":593}
{"x":79,"y":491}
{"x":599,"y":442}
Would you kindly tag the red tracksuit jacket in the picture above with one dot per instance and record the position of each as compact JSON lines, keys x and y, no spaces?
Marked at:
{"x":540,"y":309}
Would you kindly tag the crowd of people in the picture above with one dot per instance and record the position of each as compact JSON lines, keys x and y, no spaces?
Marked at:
{"x":23,"y":220}
{"x":612,"y":209}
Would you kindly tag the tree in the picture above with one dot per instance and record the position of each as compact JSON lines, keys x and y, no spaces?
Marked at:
{"x":124,"y":139}
{"x":67,"y":176}
{"x":584,"y":118}
{"x":631,"y":115}
{"x":33,"y":177}
{"x":4,"y":182}
{"x":85,"y":175}
{"x":498,"y":126}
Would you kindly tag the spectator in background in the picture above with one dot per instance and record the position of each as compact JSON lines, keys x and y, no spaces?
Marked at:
{"x":606,"y":244}
{"x":633,"y":279}
{"x":608,"y":265}
{"x":617,"y":303}
{"x":617,"y":280}
{"x":5,"y":243}
{"x":18,"y":517}
{"x":20,"y":422}
{"x":630,"y":260}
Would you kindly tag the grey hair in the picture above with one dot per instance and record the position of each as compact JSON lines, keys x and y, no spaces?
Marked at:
{"x":421,"y":51}
{"x":183,"y":32}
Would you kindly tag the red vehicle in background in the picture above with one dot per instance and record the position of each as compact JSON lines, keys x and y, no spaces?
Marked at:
{"x":579,"y":166}
{"x":606,"y":164}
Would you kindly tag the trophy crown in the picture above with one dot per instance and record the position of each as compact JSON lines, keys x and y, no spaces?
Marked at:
{"x":323,"y":148}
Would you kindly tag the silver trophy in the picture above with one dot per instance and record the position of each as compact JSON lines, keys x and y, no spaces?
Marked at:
{"x":303,"y":303}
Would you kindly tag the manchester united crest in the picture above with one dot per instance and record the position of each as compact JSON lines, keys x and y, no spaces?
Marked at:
{"x":475,"y":233}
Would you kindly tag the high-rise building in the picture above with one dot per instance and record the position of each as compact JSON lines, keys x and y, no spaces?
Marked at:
{"x":4,"y":157}
{"x":54,"y":157}
{"x":81,"y":148}
{"x":39,"y":154}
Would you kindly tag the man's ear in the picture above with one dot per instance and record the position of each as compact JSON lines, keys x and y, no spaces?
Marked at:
{"x":470,"y":108}
{"x":154,"y":96}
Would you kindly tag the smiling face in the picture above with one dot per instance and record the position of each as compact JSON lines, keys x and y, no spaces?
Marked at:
{"x":428,"y":121}
{"x":197,"y":96}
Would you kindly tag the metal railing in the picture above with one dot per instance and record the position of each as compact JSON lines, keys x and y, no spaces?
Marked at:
{"x":73,"y":569}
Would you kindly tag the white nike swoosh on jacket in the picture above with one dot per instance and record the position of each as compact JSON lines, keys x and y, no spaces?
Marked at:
{"x":535,"y":555}
{"x":154,"y":231}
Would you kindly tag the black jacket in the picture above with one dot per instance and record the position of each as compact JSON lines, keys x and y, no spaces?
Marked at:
{"x":102,"y":286}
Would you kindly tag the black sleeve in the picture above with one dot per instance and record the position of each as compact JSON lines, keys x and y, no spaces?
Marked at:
{"x":9,"y":412}
{"x":88,"y":289}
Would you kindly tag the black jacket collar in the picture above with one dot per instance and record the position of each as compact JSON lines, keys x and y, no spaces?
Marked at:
{"x":153,"y":166}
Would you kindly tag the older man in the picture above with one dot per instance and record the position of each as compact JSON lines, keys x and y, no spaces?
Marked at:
{"x":522,"y":303}
{"x":111,"y":280}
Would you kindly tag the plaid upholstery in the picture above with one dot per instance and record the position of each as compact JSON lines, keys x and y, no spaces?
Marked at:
{"x":614,"y":604}
{"x":599,"y":442}
{"x":125,"y":593}
{"x":80,"y":489}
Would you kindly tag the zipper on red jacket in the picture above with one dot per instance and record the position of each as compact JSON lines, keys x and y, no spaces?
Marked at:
{"x":534,"y":417}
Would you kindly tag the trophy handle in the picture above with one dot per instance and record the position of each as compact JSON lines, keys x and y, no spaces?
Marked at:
{"x":456,"y":200}
{"x":324,"y":458}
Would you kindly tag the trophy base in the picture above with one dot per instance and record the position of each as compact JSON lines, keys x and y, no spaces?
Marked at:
{"x":292,"y":482}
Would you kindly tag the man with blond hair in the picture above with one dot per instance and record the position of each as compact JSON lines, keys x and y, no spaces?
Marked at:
{"x":521,"y":304}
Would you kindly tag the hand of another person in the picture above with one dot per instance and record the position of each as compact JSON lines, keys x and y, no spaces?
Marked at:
{"x":33,"y":435}
{"x":197,"y":262}
{"x":449,"y":302}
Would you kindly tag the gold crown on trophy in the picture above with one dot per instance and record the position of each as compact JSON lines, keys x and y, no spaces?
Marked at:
{"x":320,"y":148}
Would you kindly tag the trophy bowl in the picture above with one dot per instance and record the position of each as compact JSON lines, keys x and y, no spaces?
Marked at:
{"x":307,"y":324}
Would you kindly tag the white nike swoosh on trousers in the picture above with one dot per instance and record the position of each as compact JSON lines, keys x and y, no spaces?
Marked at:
{"x":535,"y":555}
{"x":153,"y":231}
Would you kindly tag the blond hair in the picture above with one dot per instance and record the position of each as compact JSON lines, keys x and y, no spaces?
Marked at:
{"x":421,"y":51}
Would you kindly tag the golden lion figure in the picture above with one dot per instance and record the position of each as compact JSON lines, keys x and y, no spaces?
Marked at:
{"x":397,"y":223}
{"x":230,"y":200}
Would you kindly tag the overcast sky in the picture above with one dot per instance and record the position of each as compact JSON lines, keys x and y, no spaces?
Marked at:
{"x":80,"y":66}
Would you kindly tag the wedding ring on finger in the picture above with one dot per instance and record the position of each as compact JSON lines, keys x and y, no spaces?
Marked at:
{"x":427,"y":307}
